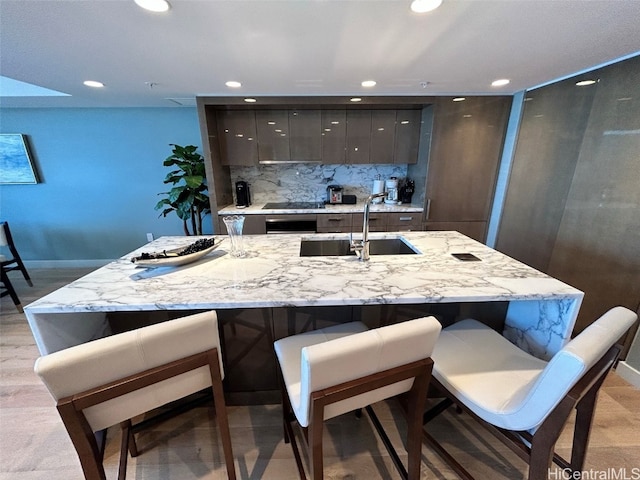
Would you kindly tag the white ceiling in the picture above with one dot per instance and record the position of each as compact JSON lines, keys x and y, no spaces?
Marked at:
{"x":302,"y":47}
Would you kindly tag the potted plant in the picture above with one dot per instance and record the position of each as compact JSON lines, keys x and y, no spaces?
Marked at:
{"x":188,"y":196}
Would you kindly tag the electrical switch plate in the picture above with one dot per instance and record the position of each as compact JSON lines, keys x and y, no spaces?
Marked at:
{"x":149,"y":237}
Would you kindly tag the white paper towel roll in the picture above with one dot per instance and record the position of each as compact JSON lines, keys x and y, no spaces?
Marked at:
{"x":378,"y":187}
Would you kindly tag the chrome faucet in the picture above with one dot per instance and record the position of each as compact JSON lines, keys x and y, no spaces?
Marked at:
{"x":361,"y":247}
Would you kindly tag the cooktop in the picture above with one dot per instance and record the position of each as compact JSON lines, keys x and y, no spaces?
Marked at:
{"x":293,"y":205}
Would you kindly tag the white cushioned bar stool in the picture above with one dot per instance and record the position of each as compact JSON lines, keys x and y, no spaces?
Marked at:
{"x":522,"y":400}
{"x":346,"y":367}
{"x":114,"y":379}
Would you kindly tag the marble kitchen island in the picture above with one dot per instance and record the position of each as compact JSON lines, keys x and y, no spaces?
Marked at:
{"x":540,"y":313}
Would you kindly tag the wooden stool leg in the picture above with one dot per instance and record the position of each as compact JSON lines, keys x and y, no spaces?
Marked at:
{"x":315,"y":447}
{"x":221,"y":415}
{"x":584,"y":418}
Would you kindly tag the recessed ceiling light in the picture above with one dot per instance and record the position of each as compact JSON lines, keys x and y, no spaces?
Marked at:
{"x":250,"y":100}
{"x":585,"y":83}
{"x":369,"y":83}
{"x":500,"y":83}
{"x":459,"y":99}
{"x":153,"y":5}
{"x":233,"y":84}
{"x":423,"y":6}
{"x":356,"y":99}
{"x":93,"y":83}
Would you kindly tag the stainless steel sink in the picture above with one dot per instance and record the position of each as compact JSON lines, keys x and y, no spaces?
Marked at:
{"x":377,"y":246}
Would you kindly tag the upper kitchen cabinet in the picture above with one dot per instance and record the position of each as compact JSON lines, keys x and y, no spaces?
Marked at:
{"x":237,"y":137}
{"x":383,"y":134}
{"x":463,"y":163}
{"x":289,"y":135}
{"x":334,"y":136}
{"x":407,"y":137}
{"x":305,"y":135}
{"x":273,"y":135}
{"x":358,"y":136}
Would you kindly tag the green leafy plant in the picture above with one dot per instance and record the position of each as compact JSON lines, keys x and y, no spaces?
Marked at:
{"x":188,"y":197}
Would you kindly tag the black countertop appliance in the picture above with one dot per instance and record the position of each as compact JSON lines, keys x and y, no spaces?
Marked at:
{"x":406,"y":190}
{"x":243,"y":197}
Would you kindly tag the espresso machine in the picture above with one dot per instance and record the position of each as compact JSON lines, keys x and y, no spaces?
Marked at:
{"x":243,"y":197}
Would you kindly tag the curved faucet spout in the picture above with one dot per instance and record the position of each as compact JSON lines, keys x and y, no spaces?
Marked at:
{"x":362,"y":247}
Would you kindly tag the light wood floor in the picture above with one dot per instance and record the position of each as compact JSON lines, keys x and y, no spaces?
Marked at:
{"x":34,"y":444}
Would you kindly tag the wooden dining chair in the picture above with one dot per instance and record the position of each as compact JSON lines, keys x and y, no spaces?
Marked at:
{"x":109,"y":381}
{"x":10,"y":262}
{"x":523,"y":400}
{"x":346,"y":367}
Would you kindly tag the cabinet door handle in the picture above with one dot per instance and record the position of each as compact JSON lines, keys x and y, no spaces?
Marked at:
{"x":335,"y":219}
{"x":428,"y":209}
{"x":405,"y":219}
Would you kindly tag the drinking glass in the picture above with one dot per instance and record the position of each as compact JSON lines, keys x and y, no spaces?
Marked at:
{"x":234,"y":224}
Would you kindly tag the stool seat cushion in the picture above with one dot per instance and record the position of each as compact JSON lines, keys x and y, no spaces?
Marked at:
{"x":323,"y":358}
{"x":508,"y":387}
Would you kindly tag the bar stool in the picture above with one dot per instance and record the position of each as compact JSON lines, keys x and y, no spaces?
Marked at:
{"x":111,"y":380}
{"x":10,"y":263}
{"x":346,"y":367}
{"x":524,"y":401}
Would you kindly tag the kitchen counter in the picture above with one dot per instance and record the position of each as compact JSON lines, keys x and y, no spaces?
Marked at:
{"x":330,"y":208}
{"x":540,"y":316}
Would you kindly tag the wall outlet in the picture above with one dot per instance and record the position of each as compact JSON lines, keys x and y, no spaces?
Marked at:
{"x":149,"y":237}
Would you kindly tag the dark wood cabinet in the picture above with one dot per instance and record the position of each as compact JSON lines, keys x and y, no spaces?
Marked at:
{"x":334,"y":136}
{"x":358,"y":136}
{"x":407,"y":136}
{"x":273,"y":135}
{"x":305,"y":135}
{"x":334,"y":223}
{"x":383,"y":134}
{"x":404,"y":222}
{"x":237,"y":137}
{"x":465,"y":153}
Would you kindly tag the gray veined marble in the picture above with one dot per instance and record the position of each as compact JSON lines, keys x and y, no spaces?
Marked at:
{"x":540,"y":318}
{"x":305,"y":182}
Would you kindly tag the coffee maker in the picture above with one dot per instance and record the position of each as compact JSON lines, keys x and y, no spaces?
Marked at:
{"x":243,"y":197}
{"x":406,"y":190}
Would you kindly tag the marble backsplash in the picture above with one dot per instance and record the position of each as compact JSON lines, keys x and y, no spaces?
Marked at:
{"x":304,"y":182}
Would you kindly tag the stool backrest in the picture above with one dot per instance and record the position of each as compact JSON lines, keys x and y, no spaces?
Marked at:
{"x":568,"y":366}
{"x":355,"y":356}
{"x":89,"y":365}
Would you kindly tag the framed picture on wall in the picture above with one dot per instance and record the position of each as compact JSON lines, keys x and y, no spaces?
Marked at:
{"x":16,"y":164}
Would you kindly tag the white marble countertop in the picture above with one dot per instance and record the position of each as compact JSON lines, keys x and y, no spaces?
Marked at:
{"x":275,"y":275}
{"x":540,"y":317}
{"x":330,"y":208}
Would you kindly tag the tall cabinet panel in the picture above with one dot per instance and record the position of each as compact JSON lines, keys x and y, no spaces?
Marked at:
{"x":334,"y":136}
{"x":237,"y":137}
{"x":465,"y":153}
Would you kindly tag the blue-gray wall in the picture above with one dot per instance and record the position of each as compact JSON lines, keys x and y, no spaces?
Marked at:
{"x":100,"y":173}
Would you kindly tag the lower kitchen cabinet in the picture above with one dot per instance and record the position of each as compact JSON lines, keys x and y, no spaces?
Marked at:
{"x":404,"y":222}
{"x":334,"y":223}
{"x":377,"y":222}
